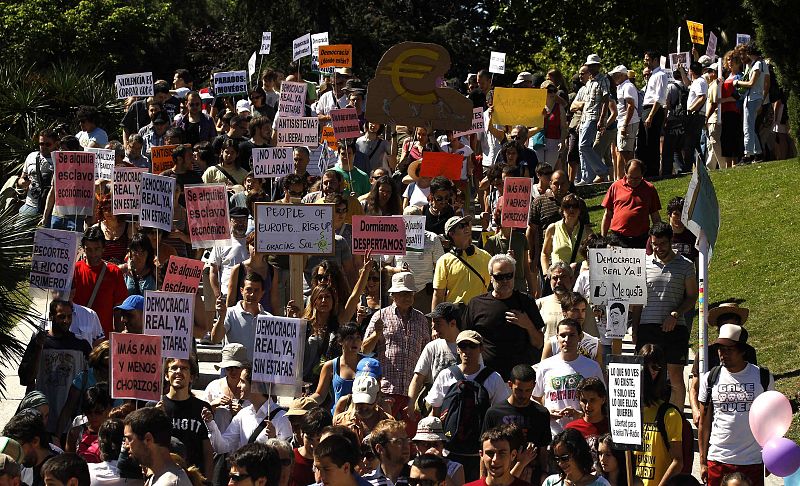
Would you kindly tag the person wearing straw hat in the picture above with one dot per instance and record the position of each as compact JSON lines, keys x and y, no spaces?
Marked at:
{"x":418,"y":187}
{"x":593,"y":121}
{"x":223,"y":394}
{"x":462,"y":273}
{"x":429,"y":440}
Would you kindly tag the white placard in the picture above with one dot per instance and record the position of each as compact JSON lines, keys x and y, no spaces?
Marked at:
{"x":680,"y":58}
{"x":415,"y":232}
{"x":156,"y":202}
{"x":103,"y":163}
{"x":742,"y":39}
{"x":266,"y":42}
{"x":618,"y":274}
{"x":497,"y":62}
{"x":616,"y":319}
{"x":125,"y":198}
{"x":136,"y":84}
{"x":53,"y":261}
{"x":317,"y":40}
{"x":293,"y":99}
{"x":251,"y":65}
{"x":711,"y":47}
{"x":294,"y":229}
{"x":301,"y":47}
{"x":230,"y":83}
{"x":625,"y":403}
{"x":477,"y":123}
{"x":298,"y":131}
{"x":273,"y":162}
{"x":278,"y":350}
{"x":170,"y":315}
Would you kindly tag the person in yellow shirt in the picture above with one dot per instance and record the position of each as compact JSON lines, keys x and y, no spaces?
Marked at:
{"x":462,"y":273}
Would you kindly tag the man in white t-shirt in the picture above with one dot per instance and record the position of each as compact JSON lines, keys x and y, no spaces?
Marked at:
{"x":627,"y":117}
{"x":225,"y":258}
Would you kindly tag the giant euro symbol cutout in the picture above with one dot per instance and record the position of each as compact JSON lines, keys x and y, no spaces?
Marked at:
{"x":406,"y":89}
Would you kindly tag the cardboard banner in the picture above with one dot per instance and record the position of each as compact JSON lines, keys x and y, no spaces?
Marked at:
{"x":293,"y":99}
{"x":104,"y":160}
{"x":53,"y":261}
{"x":516,"y":202}
{"x":497,"y":62}
{"x":742,"y":39}
{"x":207,"y":215}
{"x":680,"y":58}
{"x":294,"y":229}
{"x":266,"y":43}
{"x":616,"y":319}
{"x":477,"y":123}
{"x":696,"y":32}
{"x":273,"y":162}
{"x":74,"y":182}
{"x":337,"y":55}
{"x":317,"y":40}
{"x":415,"y":232}
{"x":298,"y":131}
{"x":406,"y":90}
{"x":170,"y":315}
{"x":183,"y":275}
{"x":278,"y":350}
{"x":384,"y":235}
{"x":516,"y":106}
{"x":711,"y":48}
{"x":625,"y":405}
{"x":230,"y":83}
{"x":136,"y":372}
{"x":156,"y":201}
{"x":161,"y":158}
{"x":618,"y":274}
{"x":442,"y":164}
{"x":301,"y":47}
{"x":139,"y":85}
{"x":125,"y":189}
{"x":345,"y":123}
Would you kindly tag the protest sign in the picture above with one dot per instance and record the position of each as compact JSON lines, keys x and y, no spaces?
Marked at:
{"x":230,"y":83}
{"x":696,"y":32}
{"x":317,"y":40}
{"x":328,"y":136}
{"x":477,"y":123}
{"x":125,"y":197}
{"x":618,"y":274}
{"x":516,"y":202}
{"x":294,"y":229}
{"x":497,"y":62}
{"x":266,"y":43}
{"x":161,"y":158}
{"x":616,"y":319}
{"x":136,"y":366}
{"x":272,"y":162}
{"x":442,"y":164}
{"x":170,"y":315}
{"x":298,"y":131}
{"x":251,"y":65}
{"x":406,"y":90}
{"x":415,"y":232}
{"x":278,"y":350}
{"x":301,"y":47}
{"x":74,"y":182}
{"x":625,"y":403}
{"x":662,"y":62}
{"x":322,"y":157}
{"x":384,"y":235}
{"x":711,"y":48}
{"x":680,"y":59}
{"x":139,"y":85}
{"x":53,"y":259}
{"x":103,"y":162}
{"x":514,"y":106}
{"x":742,"y":39}
{"x":207,"y":215}
{"x":337,"y":55}
{"x":345,"y":123}
{"x":293,"y":99}
{"x":183,"y":275}
{"x":156,"y":201}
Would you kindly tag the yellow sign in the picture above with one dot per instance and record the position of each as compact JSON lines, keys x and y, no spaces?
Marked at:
{"x":696,"y":32}
{"x":519,"y":106}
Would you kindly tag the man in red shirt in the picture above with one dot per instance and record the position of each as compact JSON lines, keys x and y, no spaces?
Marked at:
{"x":96,"y":284}
{"x":630,"y":204}
{"x":498,"y":453}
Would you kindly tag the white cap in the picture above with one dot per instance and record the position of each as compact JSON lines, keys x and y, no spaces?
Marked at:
{"x":242,"y":106}
{"x":592,"y":59}
{"x":365,"y":389}
{"x":619,"y":70}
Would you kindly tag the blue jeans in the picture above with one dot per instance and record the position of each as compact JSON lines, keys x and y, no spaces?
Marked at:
{"x":751,"y":144}
{"x":69,"y":223}
{"x":28,"y":210}
{"x":591,"y":163}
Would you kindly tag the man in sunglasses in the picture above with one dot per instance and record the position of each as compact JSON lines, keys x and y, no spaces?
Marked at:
{"x":440,"y":205}
{"x":255,"y":464}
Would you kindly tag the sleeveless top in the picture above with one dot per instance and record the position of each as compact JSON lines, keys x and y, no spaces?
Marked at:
{"x":552,"y":124}
{"x":89,"y":446}
{"x":266,"y":302}
{"x":563,"y":243}
{"x":340,"y":386}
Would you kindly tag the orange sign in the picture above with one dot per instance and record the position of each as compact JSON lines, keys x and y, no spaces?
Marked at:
{"x":161,"y":158}
{"x":441,"y":164}
{"x":328,"y":136}
{"x":337,"y":55}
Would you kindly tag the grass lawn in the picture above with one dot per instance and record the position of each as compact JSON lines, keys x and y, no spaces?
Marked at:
{"x":760,"y":215}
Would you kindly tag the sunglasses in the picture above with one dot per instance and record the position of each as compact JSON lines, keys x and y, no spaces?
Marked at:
{"x":564,"y":458}
{"x":323,"y":277}
{"x":467,"y":345}
{"x":502,"y":277}
{"x":341,"y":210}
{"x":237,"y":478}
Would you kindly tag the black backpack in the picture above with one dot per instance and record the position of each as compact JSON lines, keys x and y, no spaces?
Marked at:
{"x":677,"y":114}
{"x":687,"y":436}
{"x":463,"y":410}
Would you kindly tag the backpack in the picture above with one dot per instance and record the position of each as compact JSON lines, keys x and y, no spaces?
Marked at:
{"x":687,"y":436}
{"x":678,"y":113}
{"x":463,"y":411}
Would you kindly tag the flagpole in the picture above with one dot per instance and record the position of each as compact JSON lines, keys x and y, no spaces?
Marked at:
{"x":702,"y":264}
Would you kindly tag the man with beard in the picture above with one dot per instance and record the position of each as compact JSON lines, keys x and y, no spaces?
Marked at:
{"x":147,"y":435}
{"x":545,"y":210}
{"x":28,"y":430}
{"x":365,"y":414}
{"x":391,"y":445}
{"x":238,"y":324}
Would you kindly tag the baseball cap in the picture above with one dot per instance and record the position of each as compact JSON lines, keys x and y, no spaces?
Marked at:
{"x":731,"y":335}
{"x":160,"y":117}
{"x":369,"y":367}
{"x":365,"y":389}
{"x":469,"y":336}
{"x":523,"y":77}
{"x":133,"y":302}
{"x":11,"y":448}
{"x":243,"y":106}
{"x":239,"y":212}
{"x":453,"y":221}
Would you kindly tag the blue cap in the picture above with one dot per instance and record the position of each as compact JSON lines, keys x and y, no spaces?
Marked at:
{"x":370,"y":367}
{"x":133,"y":302}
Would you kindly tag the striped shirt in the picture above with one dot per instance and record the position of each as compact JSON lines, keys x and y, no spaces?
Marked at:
{"x":666,"y":288}
{"x":378,"y":478}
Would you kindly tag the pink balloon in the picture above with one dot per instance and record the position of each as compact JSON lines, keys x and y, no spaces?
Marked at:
{"x":770,"y":416}
{"x":781,"y":456}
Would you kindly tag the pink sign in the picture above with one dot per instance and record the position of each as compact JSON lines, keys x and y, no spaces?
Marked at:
{"x":345,"y":123}
{"x":384,"y":235}
{"x":136,"y":366}
{"x":207,"y":210}
{"x":74,"y":182}
{"x":183,"y":275}
{"x":516,"y":202}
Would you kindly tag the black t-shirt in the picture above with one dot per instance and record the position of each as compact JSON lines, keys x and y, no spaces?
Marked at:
{"x":534,"y":420}
{"x":191,"y":131}
{"x":188,"y":426}
{"x":435,"y":222}
{"x":505,"y":345}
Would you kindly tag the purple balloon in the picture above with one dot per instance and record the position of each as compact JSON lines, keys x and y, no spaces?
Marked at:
{"x":781,"y":456}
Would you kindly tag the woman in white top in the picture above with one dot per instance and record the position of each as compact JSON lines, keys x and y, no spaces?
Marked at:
{"x":573,"y":457}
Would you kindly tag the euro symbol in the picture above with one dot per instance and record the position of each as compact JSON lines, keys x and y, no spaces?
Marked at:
{"x":400,"y":69}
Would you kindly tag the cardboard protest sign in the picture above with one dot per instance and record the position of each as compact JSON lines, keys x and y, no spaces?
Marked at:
{"x":156,"y":201}
{"x":337,"y":55}
{"x":384,"y":235}
{"x":497,"y":62}
{"x":477,"y":123}
{"x":183,"y":275}
{"x":298,"y":131}
{"x":293,"y":99}
{"x":616,"y":319}
{"x":680,"y":59}
{"x":136,"y":372}
{"x":207,"y":215}
{"x":278,"y":351}
{"x":161,"y":158}
{"x":317,"y":40}
{"x":618,"y":274}
{"x":125,"y":197}
{"x":294,"y":229}
{"x":742,"y":39}
{"x":251,"y":64}
{"x":230,"y":83}
{"x":53,"y":260}
{"x":103,"y":163}
{"x":266,"y":43}
{"x":139,"y":85}
{"x":625,"y":406}
{"x":74,"y":182}
{"x":415,"y":232}
{"x":170,"y":315}
{"x":329,"y":137}
{"x":406,"y":89}
{"x":301,"y":47}
{"x":323,"y":156}
{"x":711,"y":48}
{"x":345,"y":123}
{"x":696,"y":32}
{"x":273,"y":162}
{"x":516,"y":202}
{"x":441,"y":163}
{"x":517,"y":106}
